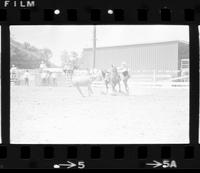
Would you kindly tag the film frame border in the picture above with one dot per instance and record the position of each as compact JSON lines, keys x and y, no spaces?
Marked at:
{"x":169,"y":12}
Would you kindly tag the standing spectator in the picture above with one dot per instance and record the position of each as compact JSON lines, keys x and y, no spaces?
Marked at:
{"x":53,"y":75}
{"x":13,"y":73}
{"x":26,"y":77}
{"x":43,"y":78}
{"x":125,"y":76}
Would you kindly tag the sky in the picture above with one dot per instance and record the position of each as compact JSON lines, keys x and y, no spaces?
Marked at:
{"x":77,"y":37}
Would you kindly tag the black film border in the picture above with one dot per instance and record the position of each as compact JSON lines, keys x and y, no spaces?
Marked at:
{"x":171,"y":12}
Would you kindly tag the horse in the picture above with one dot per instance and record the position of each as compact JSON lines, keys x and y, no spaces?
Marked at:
{"x":106,"y":78}
{"x":68,"y":70}
{"x":85,"y":80}
{"x":45,"y":78}
{"x":68,"y":73}
{"x":112,"y":78}
{"x":115,"y":79}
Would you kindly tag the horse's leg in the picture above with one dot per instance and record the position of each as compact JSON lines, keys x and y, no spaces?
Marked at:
{"x":90,"y":90}
{"x":66,"y":75}
{"x":115,"y":83}
{"x":43,"y":82}
{"x":106,"y":83}
{"x":70,"y":75}
{"x":113,"y":87}
{"x":79,"y":90}
{"x":119,"y":86}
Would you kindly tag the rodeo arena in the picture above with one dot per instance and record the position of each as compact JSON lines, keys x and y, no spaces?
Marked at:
{"x":121,"y":94}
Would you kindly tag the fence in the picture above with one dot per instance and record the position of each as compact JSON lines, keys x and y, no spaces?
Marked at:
{"x":150,"y":78}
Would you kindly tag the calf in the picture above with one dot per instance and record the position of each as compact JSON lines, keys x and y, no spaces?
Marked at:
{"x":83,"y":81}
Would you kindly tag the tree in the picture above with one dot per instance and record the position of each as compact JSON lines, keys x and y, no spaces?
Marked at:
{"x":75,"y":60}
{"x":27,"y":45}
{"x":74,"y":55}
{"x":46,"y":55}
{"x":64,"y":58}
{"x":26,"y":56}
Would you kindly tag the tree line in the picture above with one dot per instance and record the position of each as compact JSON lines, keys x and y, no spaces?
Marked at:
{"x":26,"y":56}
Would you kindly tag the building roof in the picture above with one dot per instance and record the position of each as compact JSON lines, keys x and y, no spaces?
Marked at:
{"x":136,"y":45}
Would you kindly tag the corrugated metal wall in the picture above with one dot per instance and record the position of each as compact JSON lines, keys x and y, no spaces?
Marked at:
{"x":161,"y":57}
{"x":183,"y":50}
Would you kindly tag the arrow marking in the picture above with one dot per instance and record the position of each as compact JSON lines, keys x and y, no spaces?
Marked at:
{"x":68,"y":165}
{"x":155,"y":164}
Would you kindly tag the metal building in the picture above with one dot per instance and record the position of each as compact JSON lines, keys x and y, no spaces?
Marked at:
{"x":161,"y":57}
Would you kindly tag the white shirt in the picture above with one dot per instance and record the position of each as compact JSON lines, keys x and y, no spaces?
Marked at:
{"x":26,"y":75}
{"x":53,"y":75}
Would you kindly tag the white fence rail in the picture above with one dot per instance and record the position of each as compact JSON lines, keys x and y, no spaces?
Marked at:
{"x":152,"y":78}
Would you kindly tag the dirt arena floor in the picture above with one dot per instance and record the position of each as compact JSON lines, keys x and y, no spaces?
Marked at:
{"x":51,"y":115}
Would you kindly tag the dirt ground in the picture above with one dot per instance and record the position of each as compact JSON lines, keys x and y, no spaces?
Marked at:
{"x":61,"y":115}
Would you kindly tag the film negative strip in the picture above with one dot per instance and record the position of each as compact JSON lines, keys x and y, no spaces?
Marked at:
{"x":99,"y":84}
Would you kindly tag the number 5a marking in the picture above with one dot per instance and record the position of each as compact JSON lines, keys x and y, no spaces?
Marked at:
{"x":169,"y":164}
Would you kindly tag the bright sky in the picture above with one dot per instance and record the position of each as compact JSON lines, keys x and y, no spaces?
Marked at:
{"x":78,"y":37}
